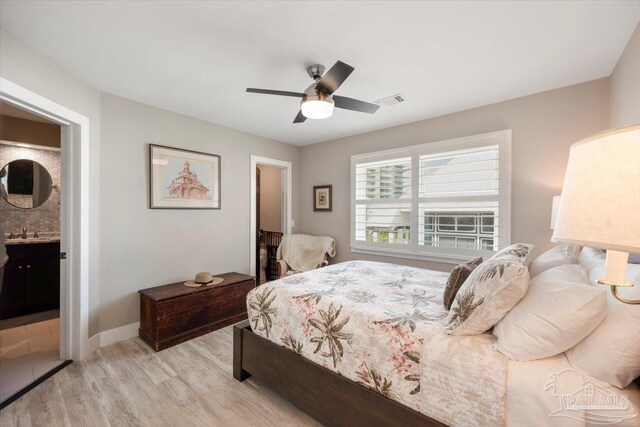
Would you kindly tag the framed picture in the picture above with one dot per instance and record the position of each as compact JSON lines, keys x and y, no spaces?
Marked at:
{"x":322,"y":198}
{"x":183,"y":179}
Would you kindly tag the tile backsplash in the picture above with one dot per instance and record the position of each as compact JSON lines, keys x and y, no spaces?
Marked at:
{"x":46,"y":217}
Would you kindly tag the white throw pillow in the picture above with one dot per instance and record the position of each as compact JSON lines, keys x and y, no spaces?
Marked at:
{"x":492,"y":289}
{"x":611,"y":353}
{"x":559,"y":255}
{"x":559,"y":310}
{"x":590,"y":258}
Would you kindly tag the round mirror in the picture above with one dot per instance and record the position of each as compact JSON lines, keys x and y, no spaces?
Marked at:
{"x":25,"y":184}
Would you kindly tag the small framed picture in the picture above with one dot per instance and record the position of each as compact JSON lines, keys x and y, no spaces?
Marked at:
{"x":183,"y":179}
{"x":322,"y":198}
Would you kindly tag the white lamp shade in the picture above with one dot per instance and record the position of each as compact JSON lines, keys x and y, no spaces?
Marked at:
{"x":555,"y":204}
{"x":600,"y":203}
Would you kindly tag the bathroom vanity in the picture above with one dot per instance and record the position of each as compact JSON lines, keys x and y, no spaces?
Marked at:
{"x":31,"y":277}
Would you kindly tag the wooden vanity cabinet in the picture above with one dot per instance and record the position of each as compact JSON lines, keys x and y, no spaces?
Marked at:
{"x":31,"y":281}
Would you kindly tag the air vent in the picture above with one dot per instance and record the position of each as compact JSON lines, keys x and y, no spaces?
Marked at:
{"x":391,"y":100}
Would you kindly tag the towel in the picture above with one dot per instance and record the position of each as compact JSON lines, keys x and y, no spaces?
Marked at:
{"x":304,"y":253}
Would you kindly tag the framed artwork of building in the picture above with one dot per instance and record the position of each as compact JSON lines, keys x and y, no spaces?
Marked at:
{"x":183,"y":179}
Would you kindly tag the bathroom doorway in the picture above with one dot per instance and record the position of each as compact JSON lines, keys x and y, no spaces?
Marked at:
{"x":30,"y":219}
{"x":270,"y":214}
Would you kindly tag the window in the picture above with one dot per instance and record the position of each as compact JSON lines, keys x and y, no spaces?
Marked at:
{"x":443,"y":201}
{"x":383,"y":195}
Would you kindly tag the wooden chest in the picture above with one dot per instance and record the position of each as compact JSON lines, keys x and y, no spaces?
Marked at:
{"x":175,"y":313}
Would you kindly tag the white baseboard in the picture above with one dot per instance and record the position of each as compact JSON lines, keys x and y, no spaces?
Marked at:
{"x":93,"y":344}
{"x":113,"y":336}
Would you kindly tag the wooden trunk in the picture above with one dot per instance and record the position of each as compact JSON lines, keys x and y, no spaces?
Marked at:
{"x":175,"y":313}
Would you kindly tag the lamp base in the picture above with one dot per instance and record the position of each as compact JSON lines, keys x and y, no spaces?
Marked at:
{"x":616,"y":294}
{"x":624,"y":284}
{"x":615,"y":267}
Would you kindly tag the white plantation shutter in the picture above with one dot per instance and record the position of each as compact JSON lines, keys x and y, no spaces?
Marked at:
{"x":459,"y":198}
{"x":445,"y":201}
{"x":383,"y":208}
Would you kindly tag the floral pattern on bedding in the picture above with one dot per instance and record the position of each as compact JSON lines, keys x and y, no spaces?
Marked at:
{"x":364,"y":320}
{"x":464,"y":380}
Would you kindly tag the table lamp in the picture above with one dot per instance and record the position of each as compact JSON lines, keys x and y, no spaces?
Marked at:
{"x":600,"y":203}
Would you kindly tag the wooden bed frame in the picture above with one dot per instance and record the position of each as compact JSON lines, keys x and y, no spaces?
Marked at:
{"x":328,"y":397}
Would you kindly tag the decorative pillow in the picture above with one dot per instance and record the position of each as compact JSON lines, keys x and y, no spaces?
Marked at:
{"x":611,"y":353}
{"x":519,"y":250}
{"x":559,"y":255}
{"x":590,"y":258}
{"x":559,"y":310}
{"x":457,"y":277}
{"x":490,"y":291}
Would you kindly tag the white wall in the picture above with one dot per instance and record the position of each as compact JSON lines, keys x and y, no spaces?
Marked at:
{"x":143,"y":247}
{"x":270,"y":198}
{"x":29,"y":68}
{"x":625,"y":86}
{"x":544,"y":126}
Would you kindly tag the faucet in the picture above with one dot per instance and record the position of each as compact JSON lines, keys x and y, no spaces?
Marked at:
{"x":24,"y":233}
{"x":35,"y":235}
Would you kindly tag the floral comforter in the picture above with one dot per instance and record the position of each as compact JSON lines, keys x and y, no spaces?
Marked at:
{"x":364,"y":320}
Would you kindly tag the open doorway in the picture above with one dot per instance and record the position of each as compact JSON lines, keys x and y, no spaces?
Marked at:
{"x":270,"y":214}
{"x":269,"y":219}
{"x":30,"y":220}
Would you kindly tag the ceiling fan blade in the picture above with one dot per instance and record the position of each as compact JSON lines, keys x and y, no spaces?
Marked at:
{"x":275,"y":92}
{"x":354,"y":104}
{"x":299,"y":118}
{"x":333,"y":78}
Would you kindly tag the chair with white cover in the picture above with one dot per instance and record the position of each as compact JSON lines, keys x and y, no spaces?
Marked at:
{"x":298,"y":253}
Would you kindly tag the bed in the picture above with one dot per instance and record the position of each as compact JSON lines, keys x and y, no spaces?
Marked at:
{"x":361,"y":343}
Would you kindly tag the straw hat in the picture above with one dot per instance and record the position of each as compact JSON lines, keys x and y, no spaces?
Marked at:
{"x":203,"y":279}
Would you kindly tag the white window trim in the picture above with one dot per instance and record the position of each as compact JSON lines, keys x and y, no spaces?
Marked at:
{"x":446,"y":255}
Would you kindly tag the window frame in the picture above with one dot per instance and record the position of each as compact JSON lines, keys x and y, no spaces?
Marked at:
{"x":414,"y":250}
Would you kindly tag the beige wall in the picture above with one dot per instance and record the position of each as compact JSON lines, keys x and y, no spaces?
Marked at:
{"x":29,"y":68}
{"x":625,"y":86}
{"x":139,"y":247}
{"x":143,"y":247}
{"x":29,"y":131}
{"x":270,"y":198}
{"x":544,"y":126}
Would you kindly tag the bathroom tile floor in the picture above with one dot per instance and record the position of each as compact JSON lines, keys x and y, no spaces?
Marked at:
{"x":26,"y":353}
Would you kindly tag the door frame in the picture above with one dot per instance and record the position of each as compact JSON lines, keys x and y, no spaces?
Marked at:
{"x":288,"y":220}
{"x":74,"y":214}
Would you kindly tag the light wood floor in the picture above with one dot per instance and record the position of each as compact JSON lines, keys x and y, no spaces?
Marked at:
{"x":128,"y":384}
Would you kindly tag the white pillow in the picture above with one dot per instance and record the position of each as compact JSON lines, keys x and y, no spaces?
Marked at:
{"x":559,"y":255}
{"x":612,"y":352}
{"x":590,"y":258}
{"x":558,"y":311}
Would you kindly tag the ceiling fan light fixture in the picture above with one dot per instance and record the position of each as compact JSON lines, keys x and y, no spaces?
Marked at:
{"x":315,"y":104}
{"x":317,"y":109}
{"x":317,"y":100}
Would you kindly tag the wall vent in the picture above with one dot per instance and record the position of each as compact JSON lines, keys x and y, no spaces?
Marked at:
{"x":391,"y":100}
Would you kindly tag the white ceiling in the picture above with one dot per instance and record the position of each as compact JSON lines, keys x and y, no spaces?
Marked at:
{"x":197,"y":58}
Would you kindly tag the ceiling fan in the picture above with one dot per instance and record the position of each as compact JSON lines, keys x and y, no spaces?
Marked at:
{"x":318,"y":99}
